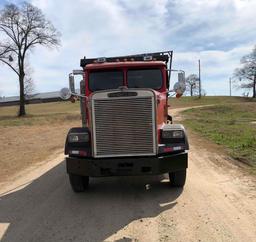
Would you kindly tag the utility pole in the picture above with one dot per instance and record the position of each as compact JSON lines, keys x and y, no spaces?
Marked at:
{"x":230,"y":86}
{"x":199,"y":75}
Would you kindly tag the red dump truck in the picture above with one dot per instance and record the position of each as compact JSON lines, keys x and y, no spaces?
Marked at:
{"x":126,"y":129}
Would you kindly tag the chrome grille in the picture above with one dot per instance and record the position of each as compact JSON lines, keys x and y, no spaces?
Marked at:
{"x":124,"y":126}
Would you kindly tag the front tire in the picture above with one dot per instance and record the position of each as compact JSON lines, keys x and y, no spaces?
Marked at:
{"x":178,"y":178}
{"x":79,"y":183}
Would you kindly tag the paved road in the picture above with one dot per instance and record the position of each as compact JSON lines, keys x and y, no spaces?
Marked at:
{"x":218,"y":203}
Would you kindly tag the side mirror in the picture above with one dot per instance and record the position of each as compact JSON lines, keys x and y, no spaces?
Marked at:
{"x":181,"y":77}
{"x":65,"y":93}
{"x":180,"y":86}
{"x":70,"y":93}
{"x":71,"y":79}
{"x":71,"y":83}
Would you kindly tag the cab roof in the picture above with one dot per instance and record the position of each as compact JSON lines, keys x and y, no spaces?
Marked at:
{"x":145,"y":59}
{"x":106,"y":65}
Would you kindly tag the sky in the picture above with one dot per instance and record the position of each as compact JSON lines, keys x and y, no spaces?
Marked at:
{"x":217,"y":32}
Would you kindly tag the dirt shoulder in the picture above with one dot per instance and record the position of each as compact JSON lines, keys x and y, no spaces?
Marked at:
{"x":26,"y":142}
{"x":25,"y":146}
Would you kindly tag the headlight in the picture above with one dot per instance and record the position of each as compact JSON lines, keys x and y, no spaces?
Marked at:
{"x":177,"y":134}
{"x":78,"y":137}
{"x":172,"y":134}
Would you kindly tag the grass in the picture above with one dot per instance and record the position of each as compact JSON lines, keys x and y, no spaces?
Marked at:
{"x":40,"y":114}
{"x":195,"y":101}
{"x":230,"y":125}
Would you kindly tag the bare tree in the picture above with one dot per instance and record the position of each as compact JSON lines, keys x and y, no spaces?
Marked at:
{"x":24,"y":27}
{"x":29,"y":85}
{"x":192,"y":84}
{"x":246,"y":75}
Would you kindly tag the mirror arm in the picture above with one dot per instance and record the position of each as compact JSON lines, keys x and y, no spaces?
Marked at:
{"x":176,"y":70}
{"x":77,"y":72}
{"x":78,"y":95}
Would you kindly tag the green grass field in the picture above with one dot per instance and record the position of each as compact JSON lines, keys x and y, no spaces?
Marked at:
{"x":232,"y":125}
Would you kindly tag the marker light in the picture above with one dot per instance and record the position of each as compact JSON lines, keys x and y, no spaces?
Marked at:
{"x":101,"y":60}
{"x":147,"y":58}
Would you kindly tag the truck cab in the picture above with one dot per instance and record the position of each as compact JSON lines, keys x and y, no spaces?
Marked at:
{"x":126,"y":129}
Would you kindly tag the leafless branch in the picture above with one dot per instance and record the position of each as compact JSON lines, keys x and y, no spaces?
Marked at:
{"x":24,"y":27}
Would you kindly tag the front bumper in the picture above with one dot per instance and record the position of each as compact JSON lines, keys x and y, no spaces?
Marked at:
{"x":127,"y":166}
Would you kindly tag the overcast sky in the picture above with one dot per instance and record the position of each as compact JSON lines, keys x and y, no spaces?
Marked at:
{"x":218,"y":32}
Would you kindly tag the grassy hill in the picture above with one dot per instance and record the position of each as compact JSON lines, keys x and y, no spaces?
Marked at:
{"x":208,"y":100}
{"x":230,"y":122}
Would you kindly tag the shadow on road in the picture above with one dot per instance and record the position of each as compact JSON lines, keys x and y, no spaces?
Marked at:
{"x":48,"y":210}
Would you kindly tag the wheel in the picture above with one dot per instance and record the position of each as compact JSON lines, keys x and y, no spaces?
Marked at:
{"x":178,"y":178}
{"x":78,"y":183}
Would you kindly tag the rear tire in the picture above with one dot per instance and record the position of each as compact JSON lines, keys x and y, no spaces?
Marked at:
{"x":79,"y":183}
{"x":178,"y":178}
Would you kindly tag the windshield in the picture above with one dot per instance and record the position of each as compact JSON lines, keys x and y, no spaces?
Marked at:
{"x":101,"y":80}
{"x":144,"y":78}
